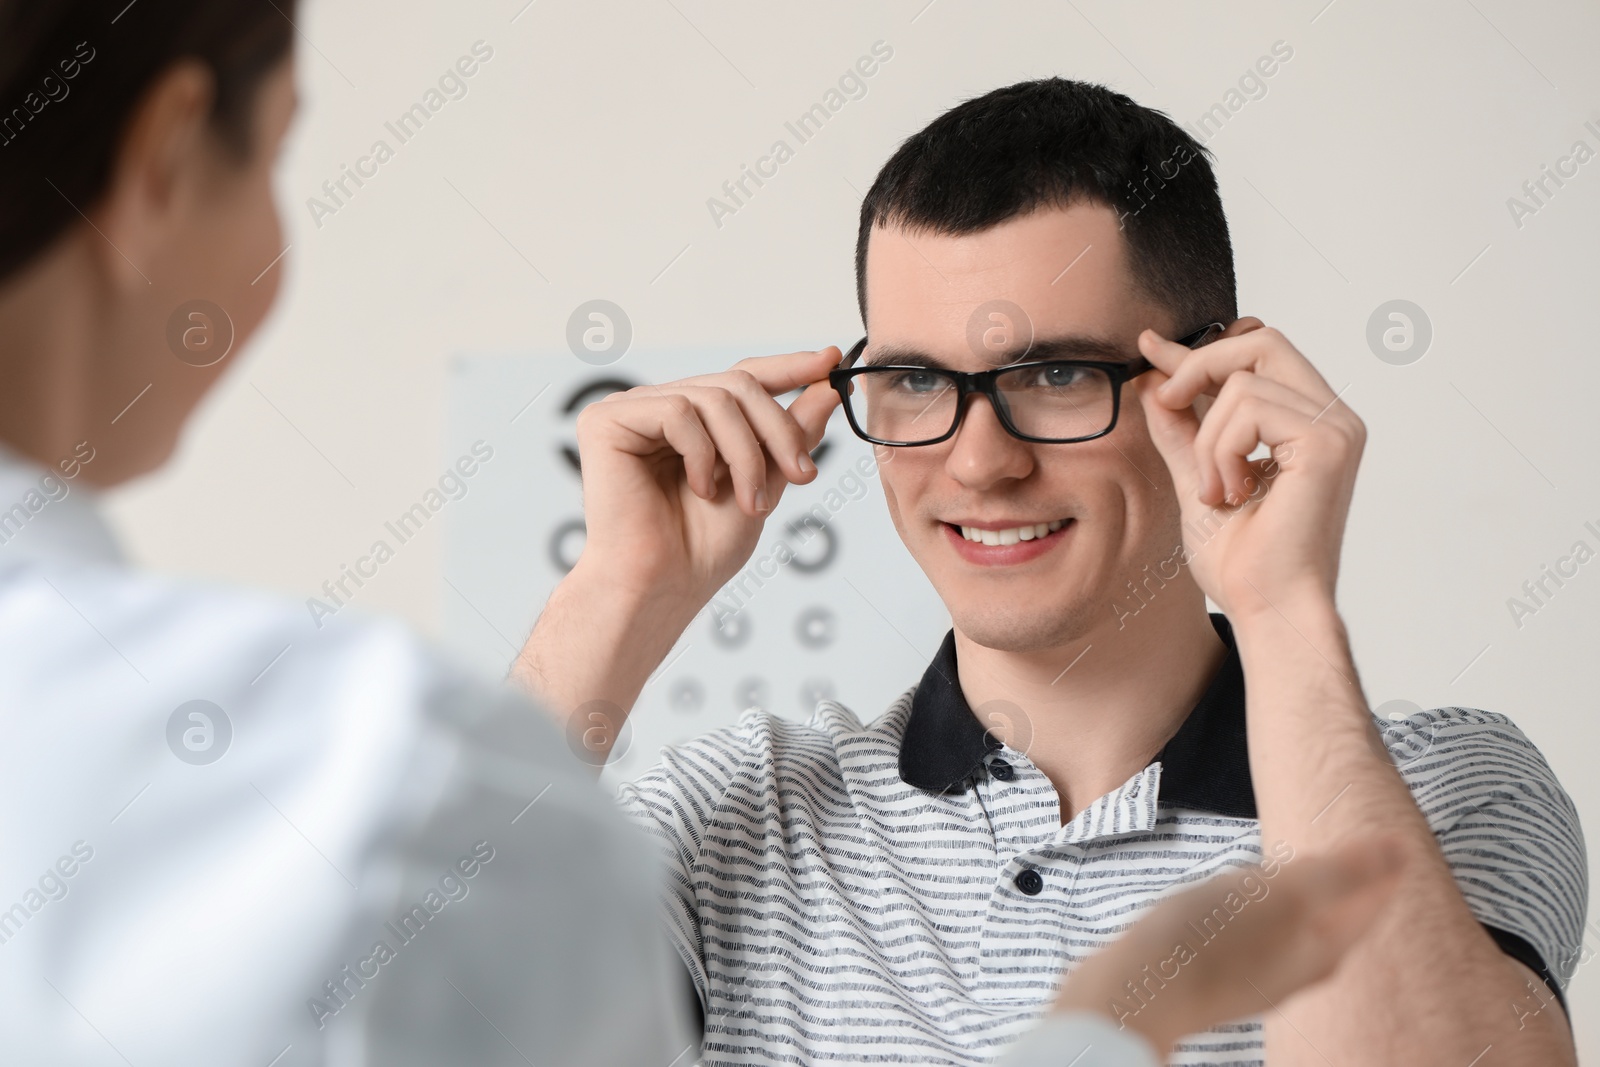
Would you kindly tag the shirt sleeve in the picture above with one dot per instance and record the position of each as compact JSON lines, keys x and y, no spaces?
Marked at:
{"x":674,"y":802}
{"x":1508,"y":830}
{"x":545,"y":946}
{"x":1078,"y":1039}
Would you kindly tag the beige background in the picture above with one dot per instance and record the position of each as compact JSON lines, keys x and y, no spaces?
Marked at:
{"x":1377,"y":165}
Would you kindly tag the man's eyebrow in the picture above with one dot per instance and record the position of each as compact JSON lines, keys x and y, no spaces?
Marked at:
{"x":1070,"y":346}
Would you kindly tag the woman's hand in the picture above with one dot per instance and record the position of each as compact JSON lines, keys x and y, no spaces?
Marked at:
{"x":1237,"y":944}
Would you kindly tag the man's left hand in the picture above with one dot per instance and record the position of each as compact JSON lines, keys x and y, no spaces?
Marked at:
{"x":1258,"y":533}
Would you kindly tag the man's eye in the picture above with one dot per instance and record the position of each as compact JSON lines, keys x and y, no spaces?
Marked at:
{"x":914,"y":381}
{"x":1056,"y":376}
{"x":1064,"y":375}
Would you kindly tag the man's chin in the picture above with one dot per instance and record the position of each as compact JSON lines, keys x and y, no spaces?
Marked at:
{"x":1018,"y":628}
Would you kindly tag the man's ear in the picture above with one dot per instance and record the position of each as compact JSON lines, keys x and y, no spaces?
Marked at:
{"x":1244,"y":325}
{"x":158,"y":169}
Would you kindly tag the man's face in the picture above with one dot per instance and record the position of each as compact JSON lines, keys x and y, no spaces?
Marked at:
{"x":1115,"y":490}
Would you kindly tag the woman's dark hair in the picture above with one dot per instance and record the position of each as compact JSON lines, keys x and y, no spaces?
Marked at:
{"x":71,"y":74}
{"x":1053,"y":142}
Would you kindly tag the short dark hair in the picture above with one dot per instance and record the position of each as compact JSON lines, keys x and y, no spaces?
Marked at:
{"x":71,"y":74}
{"x":1053,"y":142}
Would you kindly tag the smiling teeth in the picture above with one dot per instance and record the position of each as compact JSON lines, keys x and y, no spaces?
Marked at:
{"x":1013,"y":535}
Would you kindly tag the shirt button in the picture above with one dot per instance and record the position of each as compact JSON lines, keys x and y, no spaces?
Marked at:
{"x":1030,"y":882}
{"x":1002,"y":770}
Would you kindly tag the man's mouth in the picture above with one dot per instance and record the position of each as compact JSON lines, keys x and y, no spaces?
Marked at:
{"x":1006,"y":542}
{"x":1008,"y":535}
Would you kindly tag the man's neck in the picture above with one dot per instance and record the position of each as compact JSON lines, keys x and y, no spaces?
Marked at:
{"x":1100,"y":707}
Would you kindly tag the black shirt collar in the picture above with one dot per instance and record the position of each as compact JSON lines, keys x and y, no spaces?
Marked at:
{"x":1205,"y":766}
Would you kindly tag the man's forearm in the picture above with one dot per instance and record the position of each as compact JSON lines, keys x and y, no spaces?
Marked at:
{"x":598,"y":639}
{"x":1430,"y":985}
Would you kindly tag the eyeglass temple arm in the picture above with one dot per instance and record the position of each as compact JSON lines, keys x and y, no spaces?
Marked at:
{"x":853,"y":353}
{"x":1188,"y":340}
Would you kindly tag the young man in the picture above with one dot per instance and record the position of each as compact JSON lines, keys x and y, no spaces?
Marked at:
{"x":911,"y":886}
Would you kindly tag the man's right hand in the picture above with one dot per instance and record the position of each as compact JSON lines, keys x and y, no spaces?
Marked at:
{"x":678,"y":480}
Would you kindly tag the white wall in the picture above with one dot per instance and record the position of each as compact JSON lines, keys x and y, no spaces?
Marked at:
{"x":1377,"y":166}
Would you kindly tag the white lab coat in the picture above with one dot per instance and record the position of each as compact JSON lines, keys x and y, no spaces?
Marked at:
{"x":157,"y":908}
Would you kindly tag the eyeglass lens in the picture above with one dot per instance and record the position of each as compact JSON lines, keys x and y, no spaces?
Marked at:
{"x":1057,"y":401}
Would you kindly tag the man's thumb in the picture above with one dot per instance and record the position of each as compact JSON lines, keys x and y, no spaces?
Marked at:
{"x":812,"y":408}
{"x":1173,"y":432}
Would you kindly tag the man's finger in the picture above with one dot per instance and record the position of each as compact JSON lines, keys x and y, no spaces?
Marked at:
{"x":645,"y":424}
{"x":1173,"y":433}
{"x":1203,"y":370}
{"x":781,"y":434}
{"x":737,"y":446}
{"x":790,"y":371}
{"x":1224,"y":440}
{"x":812,"y":409}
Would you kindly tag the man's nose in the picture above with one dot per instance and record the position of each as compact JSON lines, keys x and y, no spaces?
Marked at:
{"x":983,"y":453}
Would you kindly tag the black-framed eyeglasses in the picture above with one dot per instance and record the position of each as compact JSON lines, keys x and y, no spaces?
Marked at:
{"x":1048,"y":401}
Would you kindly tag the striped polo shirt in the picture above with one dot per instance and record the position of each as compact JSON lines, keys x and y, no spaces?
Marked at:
{"x":903,"y":891}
